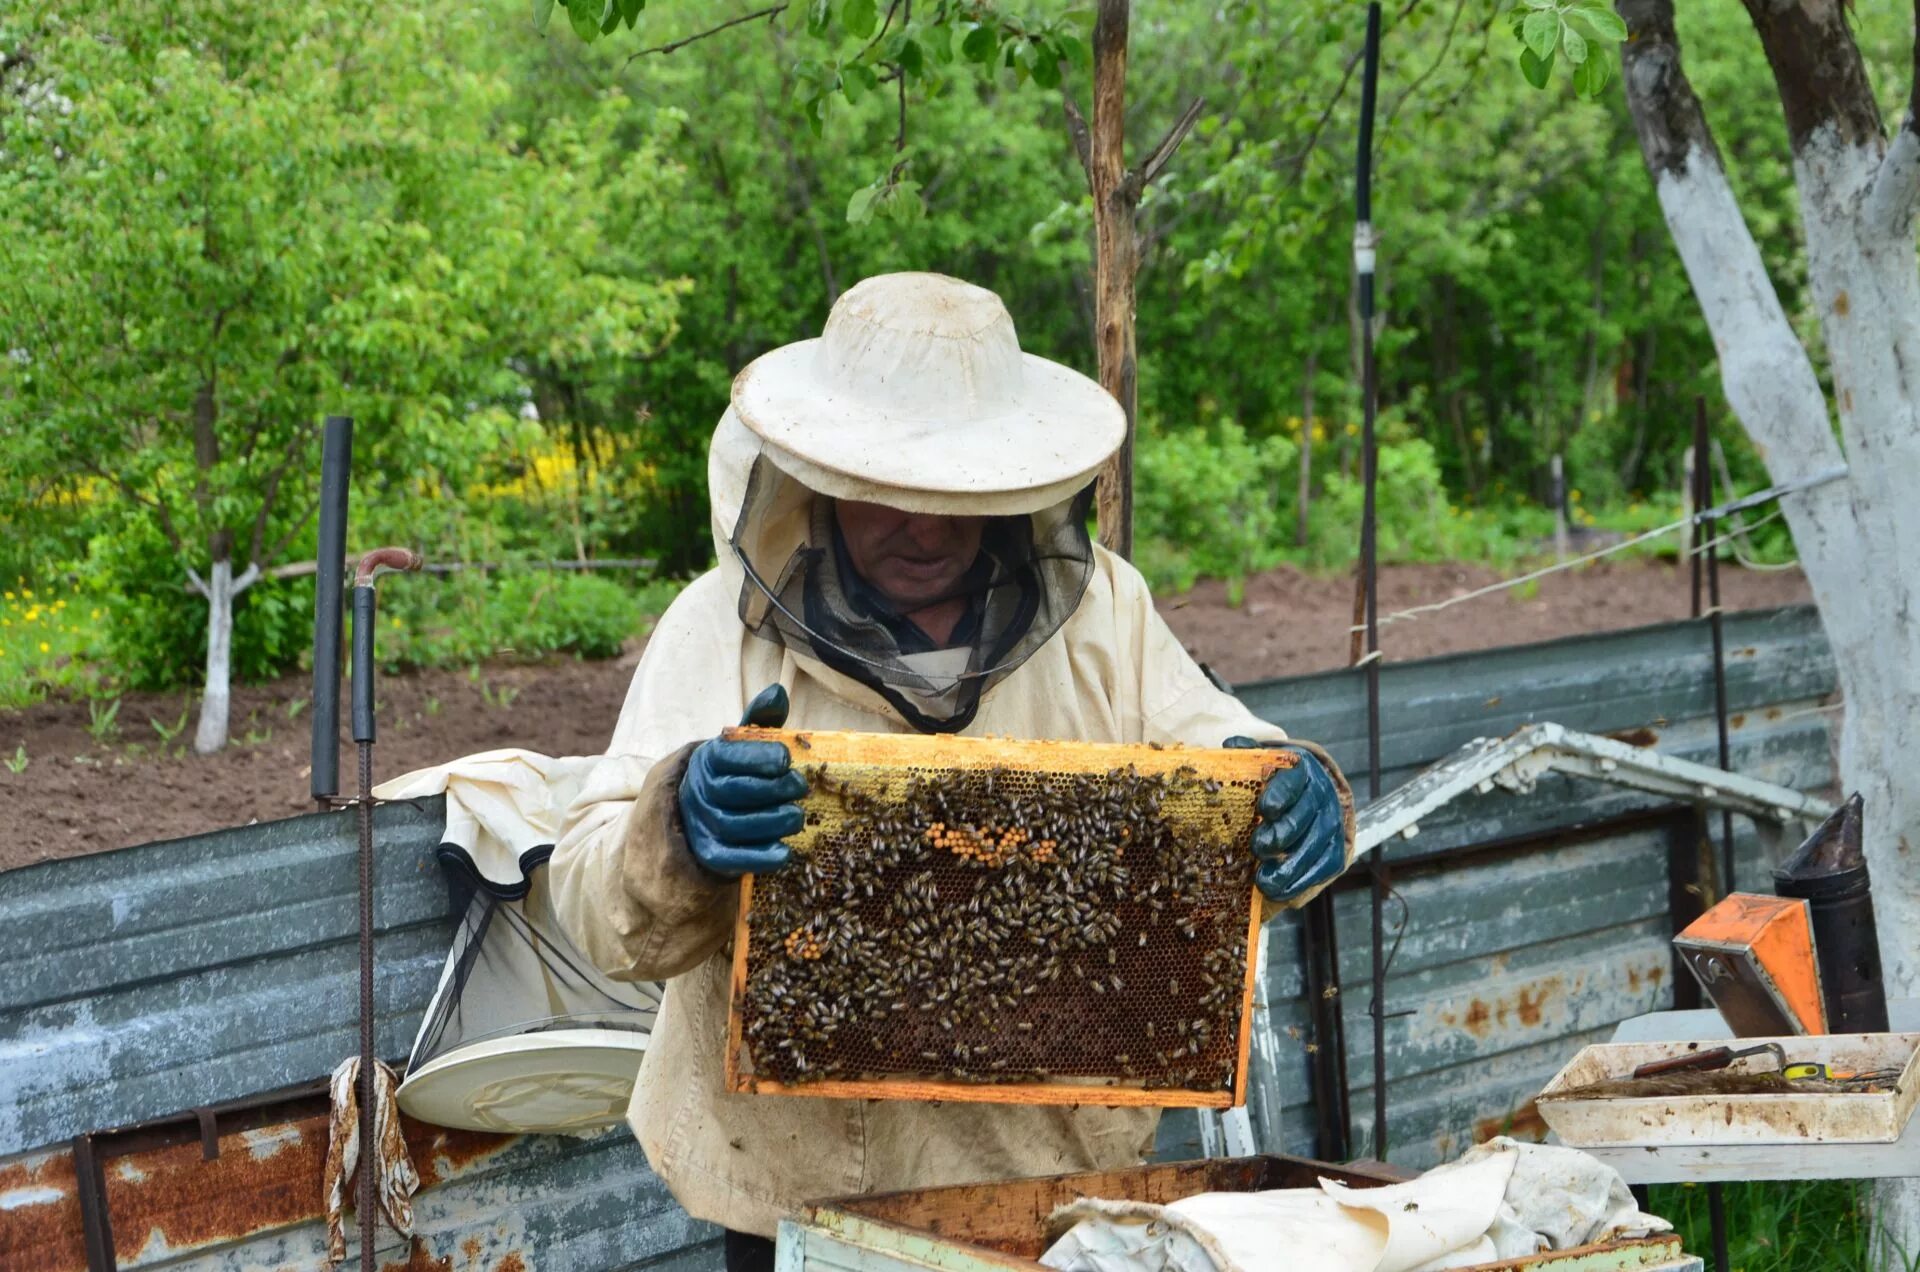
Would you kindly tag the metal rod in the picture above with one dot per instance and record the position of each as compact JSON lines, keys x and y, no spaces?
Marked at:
{"x":1717,"y":1218}
{"x":1703,"y":561}
{"x":336,"y":464}
{"x":1707,"y":563}
{"x":368,"y":1154}
{"x":1364,"y":260}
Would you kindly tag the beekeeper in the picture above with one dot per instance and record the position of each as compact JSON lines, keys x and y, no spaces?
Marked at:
{"x":900,"y":509}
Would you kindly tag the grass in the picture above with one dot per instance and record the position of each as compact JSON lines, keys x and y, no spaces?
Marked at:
{"x":1794,"y":1226}
{"x":49,"y":639}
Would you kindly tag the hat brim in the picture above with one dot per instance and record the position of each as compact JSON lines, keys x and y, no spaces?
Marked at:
{"x":1064,"y":430}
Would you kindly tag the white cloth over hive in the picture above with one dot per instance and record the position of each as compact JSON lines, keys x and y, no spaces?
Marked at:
{"x":523,"y":1032}
{"x":1502,"y":1200}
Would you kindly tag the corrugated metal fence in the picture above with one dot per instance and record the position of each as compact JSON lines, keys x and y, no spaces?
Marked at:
{"x":137,"y":983}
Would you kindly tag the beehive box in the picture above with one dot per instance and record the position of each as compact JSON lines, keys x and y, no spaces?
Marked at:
{"x":1006,"y":1225}
{"x":1007,"y":921}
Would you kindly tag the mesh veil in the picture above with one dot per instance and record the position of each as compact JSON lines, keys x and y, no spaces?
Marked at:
{"x":513,"y":971}
{"x":1029,"y":579}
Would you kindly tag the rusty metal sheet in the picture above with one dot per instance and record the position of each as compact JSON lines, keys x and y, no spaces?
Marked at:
{"x":487,"y":1202}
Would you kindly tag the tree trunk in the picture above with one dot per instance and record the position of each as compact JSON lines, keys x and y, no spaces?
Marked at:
{"x":1857,"y":536}
{"x":1116,"y":197}
{"x":217,"y":700}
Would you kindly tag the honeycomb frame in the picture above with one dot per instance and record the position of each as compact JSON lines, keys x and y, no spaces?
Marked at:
{"x":1206,"y":869}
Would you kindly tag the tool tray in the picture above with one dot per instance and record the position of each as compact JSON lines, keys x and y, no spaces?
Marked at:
{"x":1810,"y":1115}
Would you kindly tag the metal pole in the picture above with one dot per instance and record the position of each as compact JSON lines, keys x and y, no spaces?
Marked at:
{"x":363,"y":626}
{"x":364,"y":614}
{"x":336,"y":463}
{"x":1364,"y":245}
{"x":1710,"y":564}
{"x":1701,"y":534}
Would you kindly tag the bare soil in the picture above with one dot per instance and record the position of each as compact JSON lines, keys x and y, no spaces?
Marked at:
{"x":80,"y":794}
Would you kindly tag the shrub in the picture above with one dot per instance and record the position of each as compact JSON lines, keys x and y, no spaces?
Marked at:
{"x":1208,"y":502}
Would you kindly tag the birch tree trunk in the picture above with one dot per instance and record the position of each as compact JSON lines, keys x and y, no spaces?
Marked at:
{"x":220,"y":587}
{"x":1860,"y":537}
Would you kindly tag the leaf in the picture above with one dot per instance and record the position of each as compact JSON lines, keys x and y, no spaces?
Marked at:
{"x":1046,"y":68}
{"x":818,"y":14}
{"x":1601,"y":25}
{"x":585,"y":16}
{"x":903,"y":201}
{"x":1540,"y":4}
{"x":856,"y":81}
{"x":611,"y":23}
{"x":542,"y":14}
{"x":910,"y":58}
{"x":1075,"y":50}
{"x":1574,"y":44}
{"x":1541,"y":31}
{"x":860,"y":206}
{"x":1591,"y":76}
{"x":1536,"y":68}
{"x":980,"y":44}
{"x":630,"y":12}
{"x":859,"y":17}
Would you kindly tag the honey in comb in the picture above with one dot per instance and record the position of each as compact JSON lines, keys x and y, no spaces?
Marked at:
{"x":1004,"y":925}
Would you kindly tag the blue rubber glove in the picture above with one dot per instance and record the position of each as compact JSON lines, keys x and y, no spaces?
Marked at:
{"x":739,"y":799}
{"x":1301,"y":839}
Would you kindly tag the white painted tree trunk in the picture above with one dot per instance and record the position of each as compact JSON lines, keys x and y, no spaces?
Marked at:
{"x":1859,"y":539}
{"x":216,"y":702}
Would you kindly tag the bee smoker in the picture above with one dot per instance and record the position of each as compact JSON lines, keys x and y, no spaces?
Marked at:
{"x":1829,"y":872}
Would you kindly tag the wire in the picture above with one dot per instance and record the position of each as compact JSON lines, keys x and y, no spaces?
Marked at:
{"x":1724,"y":510}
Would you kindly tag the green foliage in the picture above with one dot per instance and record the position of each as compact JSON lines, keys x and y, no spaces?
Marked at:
{"x":1582,"y":31}
{"x":470,"y":617}
{"x":155,"y":630}
{"x":1207,"y":503}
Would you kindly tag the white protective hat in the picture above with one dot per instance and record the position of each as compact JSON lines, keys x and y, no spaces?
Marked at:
{"x":917,"y":396}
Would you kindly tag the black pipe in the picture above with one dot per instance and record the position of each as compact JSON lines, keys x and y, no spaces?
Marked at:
{"x":1830,"y":872}
{"x":363,"y":619}
{"x":336,"y":465}
{"x":1370,"y":561}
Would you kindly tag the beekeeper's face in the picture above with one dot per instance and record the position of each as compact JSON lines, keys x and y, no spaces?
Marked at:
{"x":911,"y":559}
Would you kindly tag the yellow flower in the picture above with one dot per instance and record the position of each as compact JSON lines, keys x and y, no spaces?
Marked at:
{"x":96,"y":613}
{"x":45,"y":648}
{"x":9,"y":595}
{"x":27,"y":592}
{"x":1574,"y":495}
{"x":1353,"y":430}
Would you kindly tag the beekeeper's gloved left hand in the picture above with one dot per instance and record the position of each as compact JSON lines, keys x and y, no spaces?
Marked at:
{"x":1301,"y":839}
{"x":739,"y":800}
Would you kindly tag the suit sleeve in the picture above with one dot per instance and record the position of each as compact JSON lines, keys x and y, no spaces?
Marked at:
{"x":624,"y":882}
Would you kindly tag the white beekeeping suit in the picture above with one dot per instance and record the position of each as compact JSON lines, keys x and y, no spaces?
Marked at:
{"x":916,"y":397}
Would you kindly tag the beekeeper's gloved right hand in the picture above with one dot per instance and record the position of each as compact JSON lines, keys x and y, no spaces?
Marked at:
{"x":738,"y":800}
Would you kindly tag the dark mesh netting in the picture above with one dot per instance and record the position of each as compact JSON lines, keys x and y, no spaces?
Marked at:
{"x":512,"y":970}
{"x":1026,"y":583}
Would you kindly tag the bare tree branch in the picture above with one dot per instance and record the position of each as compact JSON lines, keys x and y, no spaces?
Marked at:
{"x":770,"y":12}
{"x":1081,"y":134}
{"x":1157,"y":159}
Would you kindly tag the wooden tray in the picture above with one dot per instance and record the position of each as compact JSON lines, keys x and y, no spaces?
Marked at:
{"x":1209,"y":810}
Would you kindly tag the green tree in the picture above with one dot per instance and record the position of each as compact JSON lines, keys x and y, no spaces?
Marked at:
{"x":223,"y":223}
